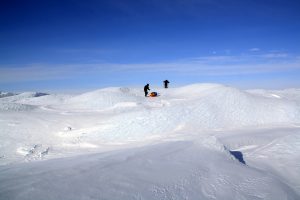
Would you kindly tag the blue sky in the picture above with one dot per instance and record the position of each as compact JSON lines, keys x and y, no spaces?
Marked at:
{"x":72,"y":45}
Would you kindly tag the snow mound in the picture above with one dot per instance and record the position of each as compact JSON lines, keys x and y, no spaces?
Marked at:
{"x":194,"y":90}
{"x":104,"y":98}
{"x":200,"y":107}
{"x":235,"y":107}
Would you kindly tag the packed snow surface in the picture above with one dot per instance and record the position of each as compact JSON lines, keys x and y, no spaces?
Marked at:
{"x":201,"y":141}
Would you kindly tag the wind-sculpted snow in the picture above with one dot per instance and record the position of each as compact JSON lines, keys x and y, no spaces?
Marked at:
{"x":118,"y":115}
{"x":201,"y":141}
{"x":200,"y":107}
{"x":173,"y":170}
{"x":105,"y":98}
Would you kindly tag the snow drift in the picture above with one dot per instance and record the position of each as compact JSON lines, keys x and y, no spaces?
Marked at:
{"x":198,"y":107}
{"x":201,"y":141}
{"x":175,"y":170}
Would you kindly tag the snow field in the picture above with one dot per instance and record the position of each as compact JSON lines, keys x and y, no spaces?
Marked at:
{"x":201,"y":141}
{"x":172,"y":170}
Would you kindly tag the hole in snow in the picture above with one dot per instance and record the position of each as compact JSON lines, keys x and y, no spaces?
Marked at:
{"x":238,"y":155}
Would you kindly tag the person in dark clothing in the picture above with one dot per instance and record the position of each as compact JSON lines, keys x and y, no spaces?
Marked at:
{"x":146,"y":88}
{"x":166,"y":82}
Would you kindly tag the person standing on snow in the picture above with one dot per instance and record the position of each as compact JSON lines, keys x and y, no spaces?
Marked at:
{"x":166,"y":82}
{"x":146,"y":88}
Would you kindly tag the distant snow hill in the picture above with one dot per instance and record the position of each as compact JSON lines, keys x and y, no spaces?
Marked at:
{"x":6,"y":94}
{"x":12,"y":97}
{"x":13,"y":102}
{"x":200,"y":141}
{"x":203,"y":105}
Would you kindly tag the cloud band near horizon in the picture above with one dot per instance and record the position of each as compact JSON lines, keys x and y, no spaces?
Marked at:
{"x":204,"y":66}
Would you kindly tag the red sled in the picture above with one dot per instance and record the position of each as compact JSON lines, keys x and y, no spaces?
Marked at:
{"x":153,"y":94}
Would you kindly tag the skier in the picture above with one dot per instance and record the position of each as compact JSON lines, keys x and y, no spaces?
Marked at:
{"x":166,"y":82}
{"x":146,"y":88}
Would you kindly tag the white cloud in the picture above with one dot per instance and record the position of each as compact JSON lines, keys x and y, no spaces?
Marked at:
{"x":214,"y":58}
{"x":254,"y":49}
{"x":275,"y":55}
{"x":83,"y":50}
{"x":206,"y":66}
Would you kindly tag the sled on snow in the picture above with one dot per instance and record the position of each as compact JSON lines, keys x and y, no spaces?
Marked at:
{"x":153,"y":94}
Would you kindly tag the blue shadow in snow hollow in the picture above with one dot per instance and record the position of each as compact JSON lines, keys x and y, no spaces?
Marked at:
{"x":238,"y":155}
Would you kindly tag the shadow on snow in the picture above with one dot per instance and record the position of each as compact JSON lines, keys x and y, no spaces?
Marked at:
{"x":238,"y":155}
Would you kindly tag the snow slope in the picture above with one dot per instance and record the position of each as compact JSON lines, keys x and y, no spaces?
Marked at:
{"x":201,"y":141}
{"x":173,"y":170}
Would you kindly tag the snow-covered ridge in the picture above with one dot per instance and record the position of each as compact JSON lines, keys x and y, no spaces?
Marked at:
{"x":206,"y":141}
{"x":209,"y":105}
{"x":202,"y":107}
{"x":132,"y":117}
